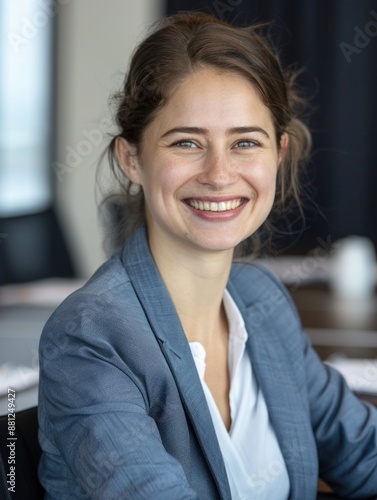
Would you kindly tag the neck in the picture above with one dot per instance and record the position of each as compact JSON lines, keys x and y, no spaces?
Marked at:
{"x":196,"y":280}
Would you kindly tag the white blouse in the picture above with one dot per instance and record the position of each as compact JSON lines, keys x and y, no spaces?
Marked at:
{"x":251,"y":453}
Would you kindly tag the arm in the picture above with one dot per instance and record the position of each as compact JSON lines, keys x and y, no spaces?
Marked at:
{"x":345,"y":431}
{"x":94,"y":412}
{"x":345,"y":428}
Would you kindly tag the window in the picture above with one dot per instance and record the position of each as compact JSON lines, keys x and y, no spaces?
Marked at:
{"x":25,"y":102}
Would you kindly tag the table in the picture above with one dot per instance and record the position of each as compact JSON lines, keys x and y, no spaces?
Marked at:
{"x":20,"y":329}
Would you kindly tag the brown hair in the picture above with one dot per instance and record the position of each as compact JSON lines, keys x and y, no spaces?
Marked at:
{"x":180,"y":45}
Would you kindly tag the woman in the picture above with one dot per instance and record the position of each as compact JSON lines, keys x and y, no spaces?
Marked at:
{"x":172,"y":373}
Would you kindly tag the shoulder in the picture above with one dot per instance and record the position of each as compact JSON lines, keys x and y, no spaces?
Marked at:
{"x":265,"y":303}
{"x":97,"y":307}
{"x":254,"y":283}
{"x":107,"y":283}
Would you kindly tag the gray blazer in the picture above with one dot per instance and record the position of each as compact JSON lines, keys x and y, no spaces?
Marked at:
{"x":123,"y":414}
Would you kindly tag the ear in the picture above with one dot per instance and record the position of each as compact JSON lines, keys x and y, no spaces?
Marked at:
{"x":128,"y":159}
{"x":284,"y":140}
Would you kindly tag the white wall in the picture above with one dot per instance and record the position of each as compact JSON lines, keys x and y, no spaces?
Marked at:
{"x":95,"y":40}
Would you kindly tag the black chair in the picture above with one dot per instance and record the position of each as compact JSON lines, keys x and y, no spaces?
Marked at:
{"x":27,"y":455}
{"x":328,"y":496}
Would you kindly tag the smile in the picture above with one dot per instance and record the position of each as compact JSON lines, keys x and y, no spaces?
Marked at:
{"x":212,"y":206}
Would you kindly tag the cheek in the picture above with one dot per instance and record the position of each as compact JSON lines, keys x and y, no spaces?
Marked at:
{"x":160,"y":183}
{"x":263,"y":178}
{"x":172,"y":176}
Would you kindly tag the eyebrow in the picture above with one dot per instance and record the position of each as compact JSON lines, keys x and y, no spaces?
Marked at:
{"x":203,"y":131}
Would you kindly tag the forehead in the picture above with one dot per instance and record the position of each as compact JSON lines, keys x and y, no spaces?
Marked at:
{"x":213,"y":98}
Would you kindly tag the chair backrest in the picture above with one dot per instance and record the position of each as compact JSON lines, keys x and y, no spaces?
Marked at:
{"x":27,"y":455}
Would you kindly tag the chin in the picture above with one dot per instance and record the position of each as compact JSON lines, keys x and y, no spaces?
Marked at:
{"x":219,"y":245}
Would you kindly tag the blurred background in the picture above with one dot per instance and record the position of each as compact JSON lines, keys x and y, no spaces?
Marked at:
{"x":59,"y":62}
{"x":61,"y":59}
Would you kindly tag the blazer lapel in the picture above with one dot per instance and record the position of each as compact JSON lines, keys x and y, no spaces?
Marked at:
{"x":285,"y":407}
{"x":167,"y":328}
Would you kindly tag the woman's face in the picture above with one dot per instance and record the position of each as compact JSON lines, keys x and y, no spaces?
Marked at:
{"x":207,"y":165}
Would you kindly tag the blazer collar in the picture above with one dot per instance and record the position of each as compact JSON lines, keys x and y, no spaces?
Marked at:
{"x":166,"y":326}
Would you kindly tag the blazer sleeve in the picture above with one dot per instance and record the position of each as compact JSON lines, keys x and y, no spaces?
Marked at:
{"x":344,"y":427}
{"x":98,"y":439}
{"x":345,"y":430}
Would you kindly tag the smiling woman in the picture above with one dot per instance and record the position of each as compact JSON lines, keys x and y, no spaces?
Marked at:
{"x":173,"y":373}
{"x":178,"y":51}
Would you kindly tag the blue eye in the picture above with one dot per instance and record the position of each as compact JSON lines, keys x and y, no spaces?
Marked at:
{"x":185,"y":144}
{"x":247,"y":144}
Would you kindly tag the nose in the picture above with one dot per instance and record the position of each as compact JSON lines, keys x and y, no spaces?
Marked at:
{"x":218,"y":170}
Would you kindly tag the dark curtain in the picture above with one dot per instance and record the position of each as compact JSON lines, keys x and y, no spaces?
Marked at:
{"x":335,"y":41}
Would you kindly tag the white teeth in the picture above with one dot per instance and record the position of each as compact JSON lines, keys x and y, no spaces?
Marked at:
{"x":212,"y":206}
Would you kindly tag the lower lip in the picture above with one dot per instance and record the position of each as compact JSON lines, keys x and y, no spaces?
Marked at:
{"x":227,"y":215}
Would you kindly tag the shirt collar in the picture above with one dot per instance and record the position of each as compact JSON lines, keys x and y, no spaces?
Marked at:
{"x":236,"y":323}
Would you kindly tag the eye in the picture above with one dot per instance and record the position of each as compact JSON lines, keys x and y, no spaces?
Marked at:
{"x":184,"y":144}
{"x":247,"y":143}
